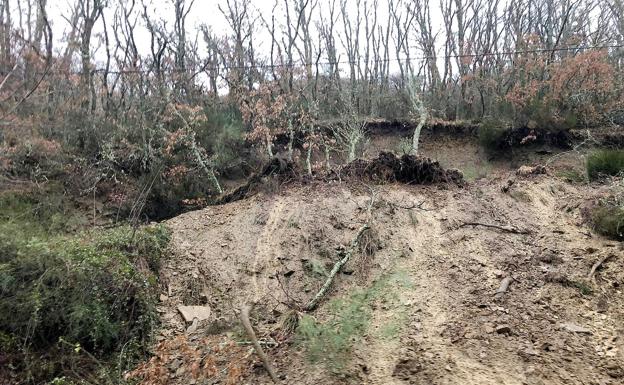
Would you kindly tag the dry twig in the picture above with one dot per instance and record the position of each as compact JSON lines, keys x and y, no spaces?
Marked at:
{"x":507,"y":229}
{"x":597,"y":265}
{"x":244,"y":317}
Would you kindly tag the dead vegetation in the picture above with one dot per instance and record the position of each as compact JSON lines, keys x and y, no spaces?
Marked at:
{"x":140,"y":111}
{"x":386,"y":168}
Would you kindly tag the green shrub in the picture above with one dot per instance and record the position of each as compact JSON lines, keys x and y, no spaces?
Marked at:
{"x":493,"y":135}
{"x":608,"y":220}
{"x":38,"y":213}
{"x":33,"y":157}
{"x":91,"y":291}
{"x":223,"y":134}
{"x":332,"y":341}
{"x":605,"y":162}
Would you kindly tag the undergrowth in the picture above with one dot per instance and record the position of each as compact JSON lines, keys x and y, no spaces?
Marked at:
{"x":493,"y":136}
{"x":74,"y":305}
{"x":605,"y":163}
{"x":572,"y":175}
{"x":608,"y":219}
{"x":331,"y":341}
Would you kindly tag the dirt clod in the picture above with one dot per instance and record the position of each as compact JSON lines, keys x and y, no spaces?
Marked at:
{"x":408,"y":169}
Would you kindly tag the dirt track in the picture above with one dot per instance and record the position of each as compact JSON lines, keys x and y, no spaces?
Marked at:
{"x":552,"y":326}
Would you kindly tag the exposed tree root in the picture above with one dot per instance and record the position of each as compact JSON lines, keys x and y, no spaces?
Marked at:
{"x":244,"y":317}
{"x":275,"y":167}
{"x":507,"y":229}
{"x":409,"y":169}
{"x":504,"y":286}
{"x":597,"y":265}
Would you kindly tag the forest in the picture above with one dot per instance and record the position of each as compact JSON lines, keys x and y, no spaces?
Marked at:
{"x":118,"y":116}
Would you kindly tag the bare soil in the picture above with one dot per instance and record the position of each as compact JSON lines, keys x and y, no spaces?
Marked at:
{"x":553,"y":325}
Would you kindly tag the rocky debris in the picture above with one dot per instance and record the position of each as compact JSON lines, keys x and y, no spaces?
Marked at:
{"x":444,"y":283}
{"x":406,"y":368}
{"x":574,"y":328}
{"x":531,"y":170}
{"x":189,"y":313}
{"x":615,"y":370}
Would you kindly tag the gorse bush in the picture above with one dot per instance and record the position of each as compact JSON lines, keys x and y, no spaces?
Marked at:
{"x":493,"y":135}
{"x":94,"y":291}
{"x":605,"y":162}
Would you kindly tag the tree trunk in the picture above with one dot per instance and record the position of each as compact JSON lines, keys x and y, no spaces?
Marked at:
{"x":291,"y":139}
{"x":269,"y":145}
{"x":309,"y":159}
{"x":416,"y":137}
{"x":352,"y":148}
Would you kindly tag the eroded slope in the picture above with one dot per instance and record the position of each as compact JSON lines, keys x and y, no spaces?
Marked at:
{"x":439,"y":323}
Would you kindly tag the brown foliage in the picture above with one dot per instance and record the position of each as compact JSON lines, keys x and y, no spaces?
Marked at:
{"x":578,"y":87}
{"x":213,"y":358}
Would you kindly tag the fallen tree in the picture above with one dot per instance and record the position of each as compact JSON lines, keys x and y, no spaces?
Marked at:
{"x":355,"y":244}
{"x":387,"y":167}
{"x":276,"y":167}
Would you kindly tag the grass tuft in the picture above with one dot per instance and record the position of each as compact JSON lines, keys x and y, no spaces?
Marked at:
{"x":608,"y":220}
{"x":605,"y":163}
{"x":332,"y":340}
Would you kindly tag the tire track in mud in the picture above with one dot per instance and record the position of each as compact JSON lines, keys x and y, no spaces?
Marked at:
{"x":425,"y":351}
{"x":267,"y":249}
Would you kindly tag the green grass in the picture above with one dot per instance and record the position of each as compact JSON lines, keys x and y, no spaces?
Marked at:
{"x":572,"y":176}
{"x":584,"y":288}
{"x":605,"y":163}
{"x":331,"y":341}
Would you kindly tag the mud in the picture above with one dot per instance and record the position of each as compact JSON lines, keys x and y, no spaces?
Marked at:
{"x":553,"y":325}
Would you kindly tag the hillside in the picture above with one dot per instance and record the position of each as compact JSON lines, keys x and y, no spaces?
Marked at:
{"x":416,"y":304}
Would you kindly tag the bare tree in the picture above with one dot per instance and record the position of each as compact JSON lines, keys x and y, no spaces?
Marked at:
{"x":350,"y":130}
{"x":417,"y":110}
{"x":90,"y":11}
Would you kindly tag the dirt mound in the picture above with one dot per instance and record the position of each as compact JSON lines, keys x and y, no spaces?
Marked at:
{"x":408,"y":169}
{"x":428,"y":301}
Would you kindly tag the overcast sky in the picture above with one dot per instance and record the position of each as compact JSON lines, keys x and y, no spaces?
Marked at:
{"x":203,"y":12}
